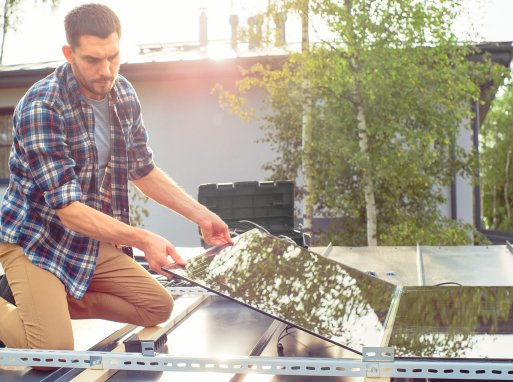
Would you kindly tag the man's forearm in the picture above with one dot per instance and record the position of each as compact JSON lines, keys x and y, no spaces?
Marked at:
{"x":89,"y":222}
{"x":86,"y":220}
{"x":161,"y":188}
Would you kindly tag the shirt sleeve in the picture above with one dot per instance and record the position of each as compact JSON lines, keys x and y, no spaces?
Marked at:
{"x":41,"y":136}
{"x":140,"y":155}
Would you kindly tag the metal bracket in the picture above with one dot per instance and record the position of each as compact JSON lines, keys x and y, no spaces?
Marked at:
{"x":148,"y":348}
{"x":372,"y":371}
{"x":509,"y":246}
{"x":327,"y":250}
{"x":375,"y":355}
{"x":378,"y":354}
{"x":96,"y":362}
{"x":188,"y":291}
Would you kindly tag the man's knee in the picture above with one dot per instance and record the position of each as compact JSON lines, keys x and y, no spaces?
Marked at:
{"x":160,"y":312}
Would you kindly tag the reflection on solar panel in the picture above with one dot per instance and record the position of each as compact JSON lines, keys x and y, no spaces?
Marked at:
{"x":454,"y":322}
{"x":351,"y":308}
{"x":285,"y":281}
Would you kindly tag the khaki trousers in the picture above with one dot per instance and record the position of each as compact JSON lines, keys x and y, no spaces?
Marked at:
{"x":120,"y":290}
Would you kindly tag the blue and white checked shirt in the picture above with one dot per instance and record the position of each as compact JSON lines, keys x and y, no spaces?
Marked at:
{"x":54,"y":162}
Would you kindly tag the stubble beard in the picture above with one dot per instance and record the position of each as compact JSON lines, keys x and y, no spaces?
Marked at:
{"x":106,"y":83}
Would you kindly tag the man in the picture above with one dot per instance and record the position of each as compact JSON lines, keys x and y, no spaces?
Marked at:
{"x":78,"y":139}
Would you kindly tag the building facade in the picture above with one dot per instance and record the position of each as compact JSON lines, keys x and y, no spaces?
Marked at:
{"x":195,"y":141}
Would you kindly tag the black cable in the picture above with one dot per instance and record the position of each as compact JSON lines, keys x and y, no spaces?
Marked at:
{"x":242,"y":226}
{"x":162,"y":279}
{"x":284,"y":333}
{"x":287,"y":238}
{"x":286,"y":330}
{"x":449,"y":283}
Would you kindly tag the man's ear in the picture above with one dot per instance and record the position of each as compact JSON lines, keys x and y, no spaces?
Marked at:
{"x":68,"y":53}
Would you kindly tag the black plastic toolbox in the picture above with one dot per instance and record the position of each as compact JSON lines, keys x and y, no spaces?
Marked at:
{"x":244,"y":205}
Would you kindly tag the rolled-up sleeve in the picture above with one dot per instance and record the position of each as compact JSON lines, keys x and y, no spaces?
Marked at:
{"x":140,"y":155}
{"x":64,"y":195}
{"x":42,"y":139}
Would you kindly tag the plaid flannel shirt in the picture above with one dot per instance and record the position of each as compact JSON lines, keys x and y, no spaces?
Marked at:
{"x":54,"y":162}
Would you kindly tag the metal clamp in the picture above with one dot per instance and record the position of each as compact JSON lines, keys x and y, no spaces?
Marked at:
{"x":148,"y":348}
{"x":378,"y":354}
{"x":96,"y":362}
{"x":375,"y":355}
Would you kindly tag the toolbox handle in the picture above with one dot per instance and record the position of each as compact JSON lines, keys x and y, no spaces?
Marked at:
{"x":225,"y":186}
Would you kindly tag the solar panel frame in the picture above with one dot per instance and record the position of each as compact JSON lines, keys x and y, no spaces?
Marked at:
{"x":317,"y":278}
{"x":413,"y":320}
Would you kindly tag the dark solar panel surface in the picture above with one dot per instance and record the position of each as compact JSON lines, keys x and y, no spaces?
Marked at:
{"x":353,"y":309}
{"x":285,"y":281}
{"x":454,"y":322}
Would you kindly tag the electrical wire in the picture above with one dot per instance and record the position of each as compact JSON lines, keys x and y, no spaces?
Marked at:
{"x":287,"y":238}
{"x":242,"y":226}
{"x":449,"y":283}
{"x":284,"y":333}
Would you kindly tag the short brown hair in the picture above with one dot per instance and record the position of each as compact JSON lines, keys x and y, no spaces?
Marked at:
{"x":90,"y":19}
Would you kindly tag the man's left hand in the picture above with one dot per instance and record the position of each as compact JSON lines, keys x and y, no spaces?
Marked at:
{"x":215,"y":231}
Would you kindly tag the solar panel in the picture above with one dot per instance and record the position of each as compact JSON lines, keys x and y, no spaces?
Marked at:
{"x":470,"y":322}
{"x":351,"y":308}
{"x":296,"y":286}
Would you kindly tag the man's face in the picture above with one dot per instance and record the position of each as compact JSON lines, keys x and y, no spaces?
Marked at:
{"x":95,"y":64}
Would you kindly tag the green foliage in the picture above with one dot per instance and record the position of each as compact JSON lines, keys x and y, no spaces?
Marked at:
{"x":396,"y":66}
{"x":426,"y":230}
{"x":454,"y":314}
{"x":436,"y":231}
{"x":496,"y":157}
{"x":137,"y":201}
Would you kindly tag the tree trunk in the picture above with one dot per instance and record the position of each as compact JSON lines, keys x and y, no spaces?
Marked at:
{"x":308,"y":207}
{"x":363,"y":133}
{"x":5,"y":25}
{"x":306,"y":136}
{"x":494,"y":207}
{"x":506,"y":187}
{"x":368,"y":183}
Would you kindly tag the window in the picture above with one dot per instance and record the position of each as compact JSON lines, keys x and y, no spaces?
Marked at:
{"x":5,"y":143}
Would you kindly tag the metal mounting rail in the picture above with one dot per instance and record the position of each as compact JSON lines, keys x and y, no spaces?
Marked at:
{"x":509,"y":246}
{"x":261,"y":365}
{"x":178,"y":291}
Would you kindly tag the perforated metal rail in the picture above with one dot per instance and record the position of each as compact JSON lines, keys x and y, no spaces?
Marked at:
{"x":260,"y":365}
{"x":179,"y":291}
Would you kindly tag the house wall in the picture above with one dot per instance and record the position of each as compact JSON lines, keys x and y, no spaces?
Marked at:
{"x":195,"y":142}
{"x":464,"y":188}
{"x":463,"y":208}
{"x":10,"y":97}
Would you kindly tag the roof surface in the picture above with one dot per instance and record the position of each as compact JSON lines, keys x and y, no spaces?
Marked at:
{"x":159,"y":61}
{"x":177,"y":60}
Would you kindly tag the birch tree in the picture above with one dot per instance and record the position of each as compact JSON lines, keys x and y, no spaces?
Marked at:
{"x":495,"y":162}
{"x":389,"y":86}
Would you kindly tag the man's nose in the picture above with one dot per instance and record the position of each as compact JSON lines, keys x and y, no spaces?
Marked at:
{"x":105,"y":69}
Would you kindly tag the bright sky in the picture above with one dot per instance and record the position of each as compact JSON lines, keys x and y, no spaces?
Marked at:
{"x":40,"y":34}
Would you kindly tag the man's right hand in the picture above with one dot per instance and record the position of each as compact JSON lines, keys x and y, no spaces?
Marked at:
{"x":160,"y":252}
